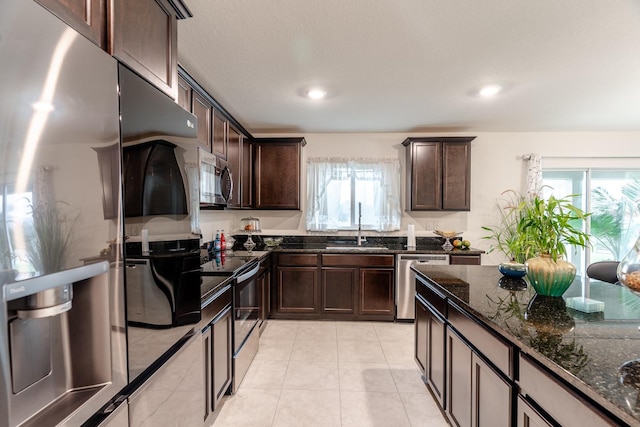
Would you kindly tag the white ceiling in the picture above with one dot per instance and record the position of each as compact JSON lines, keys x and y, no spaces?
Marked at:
{"x":413,"y":65}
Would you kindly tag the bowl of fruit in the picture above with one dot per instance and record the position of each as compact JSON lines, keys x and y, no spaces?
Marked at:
{"x":461,"y":244}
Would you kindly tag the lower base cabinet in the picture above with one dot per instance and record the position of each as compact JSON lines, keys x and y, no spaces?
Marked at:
{"x":470,"y":390}
{"x":528,"y":416}
{"x":334,"y":286}
{"x":221,"y":355}
{"x":430,"y":331}
{"x":477,"y":395}
{"x":217,"y":347}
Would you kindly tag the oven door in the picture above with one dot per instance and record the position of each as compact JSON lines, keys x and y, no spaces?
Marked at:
{"x":246,"y":309}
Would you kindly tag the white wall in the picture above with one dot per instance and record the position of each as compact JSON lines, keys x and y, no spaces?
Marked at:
{"x":496,"y":165}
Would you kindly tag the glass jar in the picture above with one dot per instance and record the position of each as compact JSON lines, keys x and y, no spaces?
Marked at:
{"x":629,"y":269}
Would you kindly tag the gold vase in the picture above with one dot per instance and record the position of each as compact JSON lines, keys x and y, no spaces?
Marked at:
{"x":549,"y":277}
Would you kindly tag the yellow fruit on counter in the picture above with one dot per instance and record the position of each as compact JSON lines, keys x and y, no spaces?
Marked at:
{"x":457,"y":243}
{"x":466,"y":243}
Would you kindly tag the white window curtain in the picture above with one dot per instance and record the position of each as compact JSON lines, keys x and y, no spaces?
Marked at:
{"x":386,"y":197}
{"x":534,"y":174}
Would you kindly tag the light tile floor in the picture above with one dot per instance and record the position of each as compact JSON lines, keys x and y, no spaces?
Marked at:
{"x":327,"y":373}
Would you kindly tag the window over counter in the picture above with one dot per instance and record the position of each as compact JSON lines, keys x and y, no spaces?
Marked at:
{"x":339,"y":189}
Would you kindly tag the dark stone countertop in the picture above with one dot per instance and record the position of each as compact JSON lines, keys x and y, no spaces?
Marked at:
{"x":583,"y":349}
{"x":319,"y":244}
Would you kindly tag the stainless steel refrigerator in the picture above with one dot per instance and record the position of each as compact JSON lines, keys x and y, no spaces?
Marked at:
{"x":62,"y":320}
{"x":67,"y":353}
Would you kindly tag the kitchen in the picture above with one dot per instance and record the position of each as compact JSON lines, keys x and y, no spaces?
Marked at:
{"x":492,"y":145}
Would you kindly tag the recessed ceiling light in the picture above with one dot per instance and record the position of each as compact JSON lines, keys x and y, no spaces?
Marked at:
{"x":316,"y":93}
{"x":489,"y":91}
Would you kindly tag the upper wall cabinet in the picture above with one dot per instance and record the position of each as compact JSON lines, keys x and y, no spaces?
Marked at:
{"x":145,"y":37}
{"x":438,"y":173}
{"x":142,"y":34}
{"x":277,"y":172}
{"x":88,"y":17}
{"x":220,"y":135}
{"x":203,"y":110}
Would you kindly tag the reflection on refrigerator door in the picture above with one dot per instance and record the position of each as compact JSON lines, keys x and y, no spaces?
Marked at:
{"x":63,"y":352}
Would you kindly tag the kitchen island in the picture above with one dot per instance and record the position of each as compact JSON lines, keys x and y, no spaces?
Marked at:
{"x":547,"y":363}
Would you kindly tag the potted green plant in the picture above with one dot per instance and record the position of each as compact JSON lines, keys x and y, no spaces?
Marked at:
{"x":544,"y":230}
{"x":504,"y":235}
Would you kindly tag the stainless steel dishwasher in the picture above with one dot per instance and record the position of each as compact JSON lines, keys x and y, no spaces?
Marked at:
{"x":405,"y":281}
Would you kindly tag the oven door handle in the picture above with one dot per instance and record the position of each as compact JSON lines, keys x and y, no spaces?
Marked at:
{"x":248,"y":274}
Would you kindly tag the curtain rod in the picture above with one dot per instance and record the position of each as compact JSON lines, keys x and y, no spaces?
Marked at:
{"x":528,"y":157}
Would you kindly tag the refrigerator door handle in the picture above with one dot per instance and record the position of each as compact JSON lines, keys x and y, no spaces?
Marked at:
{"x":28,"y":287}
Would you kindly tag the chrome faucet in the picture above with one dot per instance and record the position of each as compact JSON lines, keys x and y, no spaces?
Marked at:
{"x":360,"y":237}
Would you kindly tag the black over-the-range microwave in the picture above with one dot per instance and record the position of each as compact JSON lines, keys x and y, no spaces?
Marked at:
{"x":216,"y":182}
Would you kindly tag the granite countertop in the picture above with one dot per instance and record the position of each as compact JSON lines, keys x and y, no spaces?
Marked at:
{"x":584,"y":349}
{"x":388,"y":245}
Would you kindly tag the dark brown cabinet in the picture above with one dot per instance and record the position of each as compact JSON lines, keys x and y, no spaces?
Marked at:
{"x":453,"y":351}
{"x":219,"y":134}
{"x":461,"y":259}
{"x":528,"y":416}
{"x":145,"y":37}
{"x":277,"y":172}
{"x":238,"y":148}
{"x":184,"y":94}
{"x":438,"y":173}
{"x":88,"y":17}
{"x":296,"y":284}
{"x":217,"y":349}
{"x":377,"y":293}
{"x":339,"y":290}
{"x":142,"y":34}
{"x":246,"y":173}
{"x":431,"y":331}
{"x":264,"y":288}
{"x":203,"y":110}
{"x":221,"y":354}
{"x":349,"y":287}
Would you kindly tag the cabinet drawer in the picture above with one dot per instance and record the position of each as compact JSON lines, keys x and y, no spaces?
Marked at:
{"x":464,"y":259}
{"x":437,"y":300}
{"x":298,"y":259}
{"x":339,"y":260}
{"x":491,"y":346}
{"x":565,"y":406}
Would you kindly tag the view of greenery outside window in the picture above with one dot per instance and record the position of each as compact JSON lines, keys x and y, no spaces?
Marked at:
{"x":339,"y":189}
{"x":613,"y":198}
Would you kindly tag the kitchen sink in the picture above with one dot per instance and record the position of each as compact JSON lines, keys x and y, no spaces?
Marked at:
{"x":357,"y":248}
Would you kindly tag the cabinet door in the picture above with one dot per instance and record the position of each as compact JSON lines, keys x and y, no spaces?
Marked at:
{"x":339,"y":290}
{"x":421,"y":335}
{"x":458,"y":384}
{"x":297,"y":290}
{"x":88,"y":17}
{"x":425,"y":185}
{"x":377,"y":292}
{"x":184,"y":94}
{"x":246,"y":180}
{"x":220,"y":134}
{"x":234,"y":165}
{"x":436,"y":356}
{"x":277,"y":175}
{"x":456,"y":176}
{"x":491,"y":396}
{"x":207,"y":348}
{"x":202,"y":109}
{"x":221,"y":355}
{"x":264,"y":283}
{"x":145,"y":35}
{"x":529,"y":417}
